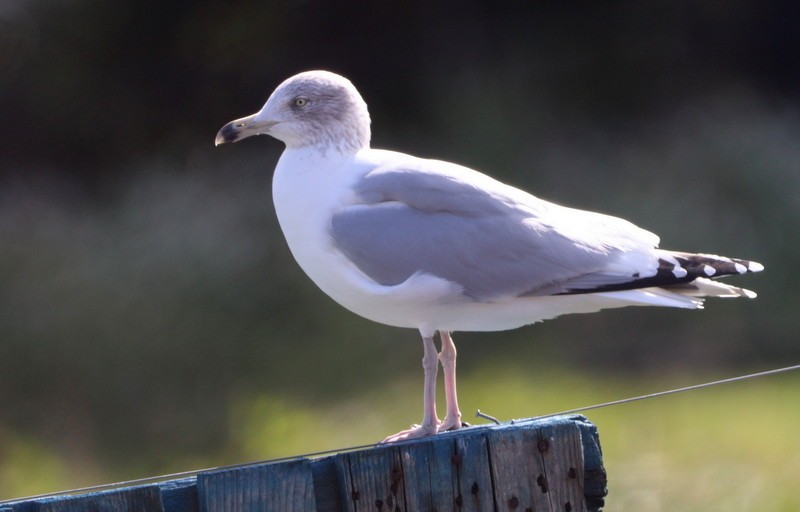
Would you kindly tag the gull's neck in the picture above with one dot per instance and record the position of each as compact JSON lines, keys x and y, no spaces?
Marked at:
{"x":328,"y":151}
{"x":299,"y":162}
{"x":344,"y":138}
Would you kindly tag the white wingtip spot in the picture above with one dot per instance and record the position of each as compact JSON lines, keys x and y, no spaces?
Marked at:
{"x":755,"y":267}
{"x":679,"y":272}
{"x":709,"y":270}
{"x":740,"y":268}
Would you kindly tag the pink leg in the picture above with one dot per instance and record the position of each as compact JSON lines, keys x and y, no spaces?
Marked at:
{"x":447,"y":356}
{"x":430,"y":421}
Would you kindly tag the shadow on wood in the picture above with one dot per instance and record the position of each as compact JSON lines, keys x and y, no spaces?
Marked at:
{"x":548,"y":465}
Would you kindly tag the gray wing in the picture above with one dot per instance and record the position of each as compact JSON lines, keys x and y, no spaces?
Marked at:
{"x":492,"y":240}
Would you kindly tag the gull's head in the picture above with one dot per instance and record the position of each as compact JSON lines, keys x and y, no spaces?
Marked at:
{"x":315,"y":108}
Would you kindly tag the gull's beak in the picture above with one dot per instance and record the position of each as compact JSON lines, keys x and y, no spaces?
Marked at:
{"x":243,"y":128}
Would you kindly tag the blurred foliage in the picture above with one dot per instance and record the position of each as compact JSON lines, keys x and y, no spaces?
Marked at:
{"x":152,"y":318}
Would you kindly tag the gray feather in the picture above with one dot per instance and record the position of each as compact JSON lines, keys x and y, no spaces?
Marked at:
{"x":423,"y":219}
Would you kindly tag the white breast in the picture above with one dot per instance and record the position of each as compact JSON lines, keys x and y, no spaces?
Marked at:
{"x":307,"y":189}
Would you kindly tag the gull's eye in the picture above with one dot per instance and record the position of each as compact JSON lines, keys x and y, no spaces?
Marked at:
{"x":300,"y":102}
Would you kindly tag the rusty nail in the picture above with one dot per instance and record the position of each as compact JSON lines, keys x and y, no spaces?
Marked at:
{"x":513,"y":503}
{"x":543,"y":445}
{"x":542,"y":481}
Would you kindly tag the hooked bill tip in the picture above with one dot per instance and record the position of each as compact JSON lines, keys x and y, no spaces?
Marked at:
{"x":227,"y":133}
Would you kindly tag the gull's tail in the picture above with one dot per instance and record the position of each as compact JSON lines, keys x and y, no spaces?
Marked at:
{"x":695,"y":274}
{"x":681,"y":280}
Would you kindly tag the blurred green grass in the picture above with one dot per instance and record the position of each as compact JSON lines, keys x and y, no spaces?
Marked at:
{"x":732,"y":447}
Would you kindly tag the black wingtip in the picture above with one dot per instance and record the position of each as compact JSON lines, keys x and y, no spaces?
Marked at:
{"x":680,"y":268}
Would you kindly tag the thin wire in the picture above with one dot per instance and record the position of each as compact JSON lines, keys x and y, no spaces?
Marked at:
{"x":186,"y":474}
{"x":195,"y":472}
{"x":665,"y":393}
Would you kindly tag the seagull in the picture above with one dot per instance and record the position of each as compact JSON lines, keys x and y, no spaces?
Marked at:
{"x":438,"y":247}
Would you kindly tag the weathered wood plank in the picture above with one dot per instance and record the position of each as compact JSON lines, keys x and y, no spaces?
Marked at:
{"x":179,"y":495}
{"x":132,"y":499}
{"x":430,"y":481}
{"x":474,"y":474}
{"x":326,"y":485}
{"x":283,"y":487}
{"x":595,"y":484}
{"x":553,"y":464}
{"x":371,"y":480}
{"x":517,"y":470}
{"x":561,"y":450}
{"x":593,"y":473}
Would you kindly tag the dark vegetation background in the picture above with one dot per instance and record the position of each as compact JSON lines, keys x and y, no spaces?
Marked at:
{"x":145,"y":288}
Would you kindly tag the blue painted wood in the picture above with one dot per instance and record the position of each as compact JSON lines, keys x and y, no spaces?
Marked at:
{"x":281,"y":487}
{"x":595,"y":481}
{"x":326,"y":485}
{"x":430,"y":476}
{"x":448,"y":472}
{"x":371,"y":480}
{"x":517,"y":469}
{"x":130,"y":499}
{"x":561,"y":449}
{"x":546,"y":465}
{"x":179,"y":495}
{"x":475,"y":486}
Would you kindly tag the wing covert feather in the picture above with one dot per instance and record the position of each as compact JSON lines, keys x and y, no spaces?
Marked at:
{"x":491,"y":239}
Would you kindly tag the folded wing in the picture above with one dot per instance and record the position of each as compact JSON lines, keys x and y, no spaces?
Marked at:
{"x":496,"y":242}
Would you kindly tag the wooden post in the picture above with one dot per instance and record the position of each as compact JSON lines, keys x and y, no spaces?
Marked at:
{"x":548,"y":465}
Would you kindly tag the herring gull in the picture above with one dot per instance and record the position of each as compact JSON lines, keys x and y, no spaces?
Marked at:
{"x":439,"y":247}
